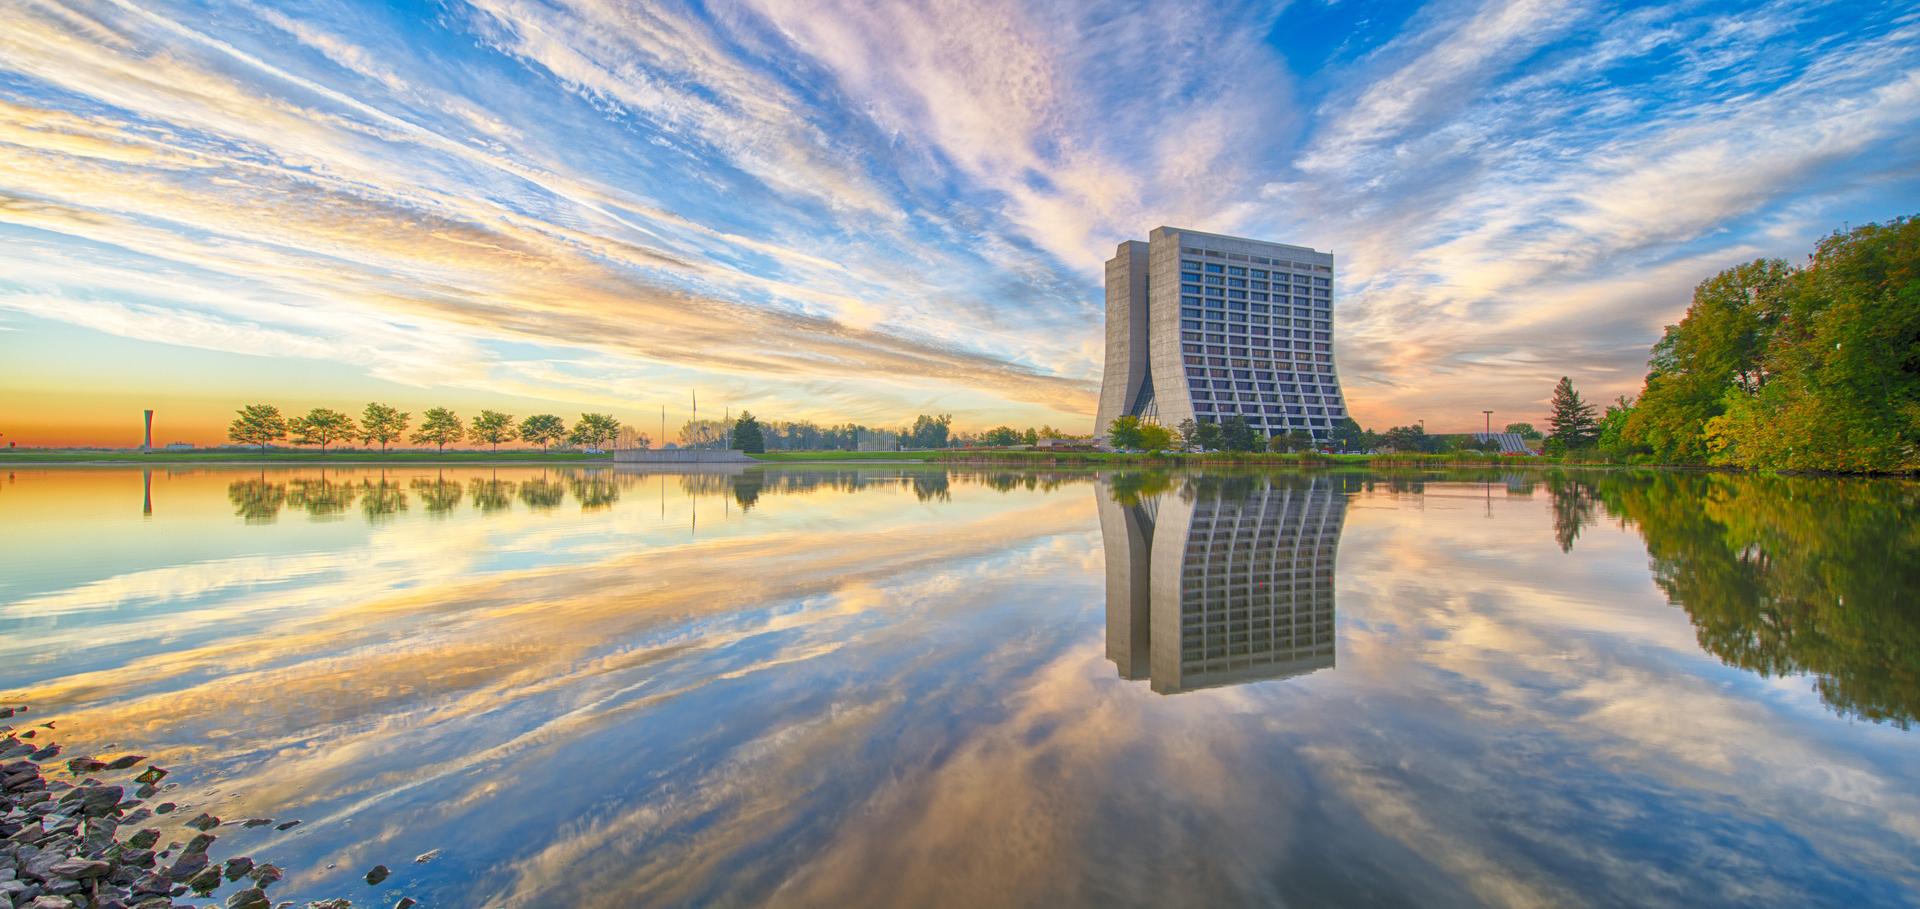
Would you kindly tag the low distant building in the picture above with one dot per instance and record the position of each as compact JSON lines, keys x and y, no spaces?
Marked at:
{"x":179,"y":446}
{"x":1064,"y":445}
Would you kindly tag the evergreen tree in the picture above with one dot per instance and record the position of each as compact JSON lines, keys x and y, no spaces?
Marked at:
{"x":1206,"y":436}
{"x":1236,"y":434}
{"x":1572,"y":420}
{"x":747,"y":434}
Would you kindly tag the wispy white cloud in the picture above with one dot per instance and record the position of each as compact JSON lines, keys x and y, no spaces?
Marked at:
{"x":911,"y":204}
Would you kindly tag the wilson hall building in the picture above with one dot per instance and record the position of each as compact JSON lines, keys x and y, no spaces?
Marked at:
{"x":1207,"y":327}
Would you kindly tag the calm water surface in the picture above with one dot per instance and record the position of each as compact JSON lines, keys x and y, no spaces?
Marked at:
{"x":907,"y":686}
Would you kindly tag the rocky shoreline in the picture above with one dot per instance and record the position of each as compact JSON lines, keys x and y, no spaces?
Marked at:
{"x":76,"y":840}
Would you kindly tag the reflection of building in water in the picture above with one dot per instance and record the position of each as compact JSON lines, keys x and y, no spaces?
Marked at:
{"x":1221,"y":582}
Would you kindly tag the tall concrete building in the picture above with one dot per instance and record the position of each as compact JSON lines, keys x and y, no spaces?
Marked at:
{"x":1206,"y":327}
{"x":1229,"y":580}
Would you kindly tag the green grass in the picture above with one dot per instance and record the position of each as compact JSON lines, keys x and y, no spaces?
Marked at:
{"x":234,"y":455}
{"x":852,"y":456}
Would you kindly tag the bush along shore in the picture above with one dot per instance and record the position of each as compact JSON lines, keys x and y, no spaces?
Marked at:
{"x":81,"y":839}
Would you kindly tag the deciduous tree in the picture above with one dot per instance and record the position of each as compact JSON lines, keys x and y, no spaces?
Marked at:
{"x":383,"y":424}
{"x":593,"y":430}
{"x":257,"y":424}
{"x":1124,"y":433}
{"x":440,"y":426}
{"x":493,"y":427}
{"x":542,"y":429}
{"x":322,"y":426}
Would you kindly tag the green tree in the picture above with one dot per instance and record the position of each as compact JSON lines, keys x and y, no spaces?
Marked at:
{"x":1048,"y":432}
{"x":493,"y":427}
{"x":1155,"y":438}
{"x":1124,"y":433}
{"x":1236,"y":434}
{"x":1524,"y":430}
{"x":322,"y":426}
{"x":929,"y":431}
{"x":440,"y":426}
{"x":1412,"y":438}
{"x":257,"y":424}
{"x":1032,"y":436}
{"x":1206,"y":436}
{"x":1842,"y":366}
{"x":383,"y":424}
{"x":1571,"y":420}
{"x":593,"y":430}
{"x":1611,"y":434}
{"x":542,"y":429}
{"x":747,"y":435}
{"x":1719,"y":344}
{"x":1187,"y":429}
{"x":1002,"y":437}
{"x":1348,"y":436}
{"x":1294,"y":441}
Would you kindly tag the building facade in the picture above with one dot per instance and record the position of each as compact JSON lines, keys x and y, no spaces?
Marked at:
{"x":1207,"y":327}
{"x":1225,"y":581}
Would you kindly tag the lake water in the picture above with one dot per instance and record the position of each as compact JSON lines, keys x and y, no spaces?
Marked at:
{"x":894,"y":685}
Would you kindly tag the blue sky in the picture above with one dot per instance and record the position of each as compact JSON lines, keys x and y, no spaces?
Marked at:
{"x":837,"y":210}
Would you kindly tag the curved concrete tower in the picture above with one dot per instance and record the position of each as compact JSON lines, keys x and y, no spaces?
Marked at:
{"x":1205,"y":327}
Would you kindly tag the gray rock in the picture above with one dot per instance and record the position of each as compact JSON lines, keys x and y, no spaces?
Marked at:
{"x":378,"y":874}
{"x":207,"y":881}
{"x":250,"y":898}
{"x":81,"y":869}
{"x":204,"y":822}
{"x":186,"y":867}
{"x":238,"y":866}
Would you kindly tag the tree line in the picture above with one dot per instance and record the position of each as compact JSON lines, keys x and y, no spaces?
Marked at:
{"x":263,"y":424}
{"x":1775,"y":366}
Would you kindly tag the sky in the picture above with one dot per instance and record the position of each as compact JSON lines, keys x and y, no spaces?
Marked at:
{"x":842,"y":211}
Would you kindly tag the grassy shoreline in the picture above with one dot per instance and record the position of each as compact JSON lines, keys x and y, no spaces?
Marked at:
{"x":962,"y":457}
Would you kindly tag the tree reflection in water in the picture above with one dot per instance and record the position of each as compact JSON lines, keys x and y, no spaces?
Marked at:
{"x":439,"y":496}
{"x":490,"y":494}
{"x":257,"y":500}
{"x":381,"y":499}
{"x":542,"y":493}
{"x":322,"y":499}
{"x":1782,"y":575}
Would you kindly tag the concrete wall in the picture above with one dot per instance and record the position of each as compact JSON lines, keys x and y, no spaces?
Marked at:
{"x":1126,"y":334}
{"x":679,"y":456}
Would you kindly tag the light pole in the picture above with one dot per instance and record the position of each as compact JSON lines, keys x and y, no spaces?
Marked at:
{"x":1489,"y":414}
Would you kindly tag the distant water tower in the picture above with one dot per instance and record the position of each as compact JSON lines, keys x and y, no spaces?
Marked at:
{"x":148,"y":444}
